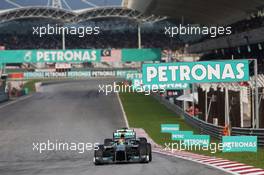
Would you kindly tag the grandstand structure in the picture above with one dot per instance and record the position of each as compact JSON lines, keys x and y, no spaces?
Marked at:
{"x":68,"y":16}
{"x":59,"y":11}
{"x":220,"y":12}
{"x":246,"y":42}
{"x":134,"y":16}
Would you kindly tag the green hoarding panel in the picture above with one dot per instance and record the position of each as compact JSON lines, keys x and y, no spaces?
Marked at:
{"x":180,"y":135}
{"x":192,"y":140}
{"x":169,"y":128}
{"x":196,"y":72}
{"x":75,"y":56}
{"x":141,"y":55}
{"x":138,"y":82}
{"x":41,"y":56}
{"x":240,"y":143}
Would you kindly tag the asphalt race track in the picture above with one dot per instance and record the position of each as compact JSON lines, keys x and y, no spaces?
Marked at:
{"x":72,"y":112}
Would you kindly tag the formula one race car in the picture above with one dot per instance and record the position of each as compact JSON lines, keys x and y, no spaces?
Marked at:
{"x":124,"y":147}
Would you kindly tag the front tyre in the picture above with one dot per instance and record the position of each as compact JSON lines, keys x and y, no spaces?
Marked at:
{"x":149,"y":152}
{"x":143,"y":153}
{"x":98,"y":155}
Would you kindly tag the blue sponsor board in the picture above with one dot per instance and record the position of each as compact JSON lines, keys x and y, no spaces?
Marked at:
{"x":240,"y":143}
{"x":169,"y":128}
{"x":180,"y":135}
{"x":193,"y":140}
{"x":196,"y":72}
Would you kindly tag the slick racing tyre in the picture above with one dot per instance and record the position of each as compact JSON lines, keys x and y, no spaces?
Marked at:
{"x":149,"y":152}
{"x":98,"y":154}
{"x":143,"y":152}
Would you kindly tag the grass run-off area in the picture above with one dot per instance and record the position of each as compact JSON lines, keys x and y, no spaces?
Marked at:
{"x":31,"y":85}
{"x":147,"y":113}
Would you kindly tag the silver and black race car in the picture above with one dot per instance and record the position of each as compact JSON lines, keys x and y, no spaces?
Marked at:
{"x":122,"y":148}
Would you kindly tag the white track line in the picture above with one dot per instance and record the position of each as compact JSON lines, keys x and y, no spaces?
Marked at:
{"x":248,"y":170}
{"x":233,"y":165}
{"x":123,"y":111}
{"x":227,"y":162}
{"x":256,"y":173}
{"x":15,"y":101}
{"x":240,"y":167}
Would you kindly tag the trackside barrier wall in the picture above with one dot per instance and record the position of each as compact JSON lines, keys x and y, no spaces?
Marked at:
{"x":3,"y":97}
{"x":208,"y":128}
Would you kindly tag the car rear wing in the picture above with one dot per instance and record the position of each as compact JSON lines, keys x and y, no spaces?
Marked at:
{"x":128,"y":135}
{"x":125,"y":130}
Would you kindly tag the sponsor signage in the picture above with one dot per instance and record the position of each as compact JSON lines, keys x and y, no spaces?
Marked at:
{"x":180,"y":135}
{"x":193,"y":140}
{"x":239,"y":143}
{"x":79,"y":74}
{"x":196,"y":72}
{"x":41,"y":56}
{"x":72,"y":74}
{"x":172,"y":93}
{"x":29,"y":75}
{"x":77,"y":56}
{"x":123,"y":73}
{"x":152,"y":54}
{"x":63,"y":66}
{"x":139,"y":83}
{"x":133,"y":75}
{"x":169,"y":128}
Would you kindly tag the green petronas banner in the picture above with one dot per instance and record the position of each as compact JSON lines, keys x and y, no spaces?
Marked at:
{"x":78,"y":56}
{"x":40,"y":56}
{"x":141,"y":55}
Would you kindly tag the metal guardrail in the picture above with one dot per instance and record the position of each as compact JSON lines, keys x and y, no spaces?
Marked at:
{"x":204,"y":127}
{"x":211,"y":129}
{"x":250,"y":131}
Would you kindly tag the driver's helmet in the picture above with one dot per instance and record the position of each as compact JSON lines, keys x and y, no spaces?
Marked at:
{"x":122,"y":139}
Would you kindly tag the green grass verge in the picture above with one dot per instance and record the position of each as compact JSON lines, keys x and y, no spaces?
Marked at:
{"x":147,"y":113}
{"x":31,"y":85}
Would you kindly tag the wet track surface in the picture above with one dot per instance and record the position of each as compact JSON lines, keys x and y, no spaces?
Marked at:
{"x":72,"y":112}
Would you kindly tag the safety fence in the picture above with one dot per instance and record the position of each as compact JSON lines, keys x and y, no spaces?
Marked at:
{"x":208,"y":128}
